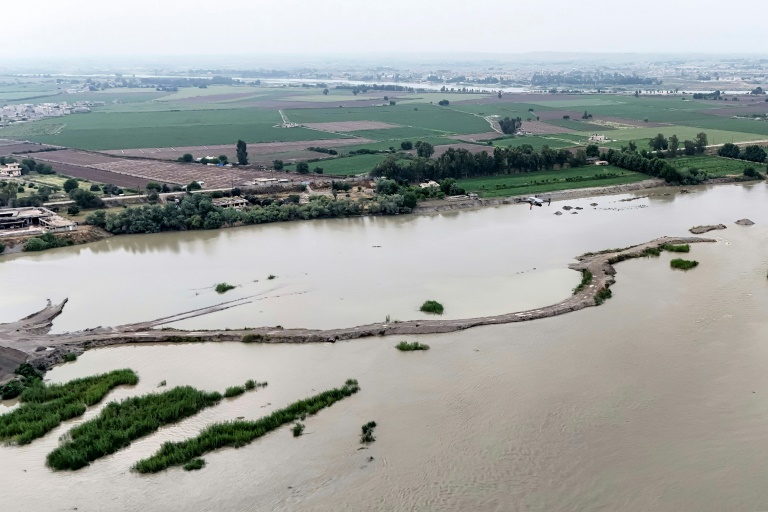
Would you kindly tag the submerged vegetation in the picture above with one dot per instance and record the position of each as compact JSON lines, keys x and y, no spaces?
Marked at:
{"x":404,"y":346}
{"x":194,"y":465}
{"x":240,"y":433}
{"x":586,"y":279}
{"x":683,"y":264}
{"x":367,"y":436}
{"x":45,"y":406}
{"x":433,"y":307}
{"x":122,"y":422}
{"x":224,"y":287}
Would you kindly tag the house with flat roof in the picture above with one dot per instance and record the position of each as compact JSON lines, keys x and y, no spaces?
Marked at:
{"x":12,"y":170}
{"x":236,"y":203}
{"x":32,"y":220}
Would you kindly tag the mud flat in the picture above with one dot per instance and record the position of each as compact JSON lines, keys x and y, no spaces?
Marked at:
{"x":31,"y":335}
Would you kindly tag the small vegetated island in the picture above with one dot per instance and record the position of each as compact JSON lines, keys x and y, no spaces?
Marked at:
{"x":682,"y":264}
{"x":404,"y":346}
{"x":432,"y":307}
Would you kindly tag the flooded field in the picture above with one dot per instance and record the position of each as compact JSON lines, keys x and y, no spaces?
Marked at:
{"x":654,"y":401}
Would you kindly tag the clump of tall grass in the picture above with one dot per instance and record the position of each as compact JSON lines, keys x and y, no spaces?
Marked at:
{"x":223,"y":287}
{"x":586,"y":279}
{"x":70,"y":357}
{"x":255,"y":338}
{"x":676,"y":248}
{"x":45,"y":406}
{"x":298,"y":429}
{"x":432,"y":307}
{"x":651,"y":251}
{"x":404,"y":346}
{"x":367,"y":436}
{"x":683,"y":264}
{"x":602,"y":296}
{"x":240,"y":433}
{"x":122,"y":422}
{"x":194,"y":465}
{"x":251,"y":384}
{"x":234,"y":391}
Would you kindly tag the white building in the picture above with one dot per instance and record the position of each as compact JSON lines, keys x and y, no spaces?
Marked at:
{"x":597,"y":138}
{"x":12,"y":170}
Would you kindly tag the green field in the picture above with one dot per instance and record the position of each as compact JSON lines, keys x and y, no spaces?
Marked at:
{"x":541,"y":182}
{"x":715,"y":165}
{"x":558,"y":141}
{"x":347,"y":166}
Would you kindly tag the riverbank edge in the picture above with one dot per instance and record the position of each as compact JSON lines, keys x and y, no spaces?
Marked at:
{"x":31,"y":335}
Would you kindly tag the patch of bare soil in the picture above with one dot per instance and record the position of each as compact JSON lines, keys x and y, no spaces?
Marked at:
{"x":698,"y":230}
{"x":542,"y":128}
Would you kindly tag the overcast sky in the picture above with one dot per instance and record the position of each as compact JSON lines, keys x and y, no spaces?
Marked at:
{"x":72,"y":28}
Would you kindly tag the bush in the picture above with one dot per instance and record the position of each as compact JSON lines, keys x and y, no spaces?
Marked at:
{"x":367,"y":435}
{"x":602,"y":296}
{"x":223,"y":287}
{"x":44,"y":242}
{"x":404,"y":346}
{"x":70,"y":357}
{"x":86,"y":199}
{"x":683,"y":264}
{"x":70,"y":185}
{"x":298,"y":429}
{"x":73,"y":209}
{"x":586,"y":279}
{"x":234,"y":391}
{"x":95,"y":188}
{"x":432,"y":307}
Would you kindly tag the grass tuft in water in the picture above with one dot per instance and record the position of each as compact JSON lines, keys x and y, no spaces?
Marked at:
{"x":297,"y":429}
{"x":676,"y":248}
{"x":404,"y":346}
{"x":432,"y":307}
{"x":683,"y":264}
{"x":224,"y":287}
{"x":367,"y":436}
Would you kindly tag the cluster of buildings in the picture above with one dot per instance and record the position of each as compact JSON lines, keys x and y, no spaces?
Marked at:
{"x":32,"y":112}
{"x":32,"y":221}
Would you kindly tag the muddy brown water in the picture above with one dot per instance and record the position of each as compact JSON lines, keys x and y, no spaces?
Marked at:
{"x":654,"y":401}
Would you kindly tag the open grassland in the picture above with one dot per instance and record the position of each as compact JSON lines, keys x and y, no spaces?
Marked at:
{"x":427,"y":117}
{"x":714,"y":165}
{"x":541,"y":182}
{"x":351,"y":165}
{"x":97,"y":131}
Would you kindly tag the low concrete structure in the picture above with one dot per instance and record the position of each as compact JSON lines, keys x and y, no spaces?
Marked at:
{"x":32,"y":220}
{"x":12,"y":170}
{"x":236,"y":203}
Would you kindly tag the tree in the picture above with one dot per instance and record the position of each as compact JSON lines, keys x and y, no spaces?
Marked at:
{"x":754,"y":153}
{"x":224,"y":159}
{"x":278,"y":165}
{"x":186,"y":158}
{"x":566,"y":117}
{"x":689,"y":147}
{"x":325,"y":92}
{"x":70,"y":185}
{"x":154,"y":186}
{"x":443,"y":103}
{"x":499,"y":95}
{"x":406,"y":145}
{"x":659,"y":142}
{"x":302,"y":168}
{"x":674,"y":144}
{"x":729,"y":150}
{"x":425,"y":150}
{"x":95,"y":188}
{"x":193,"y":186}
{"x":632,"y":146}
{"x":242,"y":154}
{"x":391,"y":103}
{"x":509,"y":125}
{"x":85,"y":199}
{"x":593,"y":150}
{"x":700,"y":142}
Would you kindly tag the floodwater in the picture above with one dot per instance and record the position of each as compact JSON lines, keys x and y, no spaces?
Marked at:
{"x":654,"y":401}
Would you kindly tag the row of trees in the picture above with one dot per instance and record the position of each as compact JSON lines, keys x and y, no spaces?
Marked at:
{"x":672,"y":144}
{"x":460,"y":163}
{"x":753,"y":153}
{"x":654,"y":166}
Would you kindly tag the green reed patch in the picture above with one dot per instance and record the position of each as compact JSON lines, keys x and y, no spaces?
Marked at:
{"x":194,"y":465}
{"x":45,"y":406}
{"x":602,"y":296}
{"x":240,"y":433}
{"x":367,"y":436}
{"x":586,"y":280}
{"x":676,"y":248}
{"x":683,"y":264}
{"x":122,"y":422}
{"x":432,"y":307}
{"x":224,"y":287}
{"x":404,"y":346}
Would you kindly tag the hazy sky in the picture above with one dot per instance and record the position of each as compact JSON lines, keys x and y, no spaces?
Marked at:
{"x":72,"y":28}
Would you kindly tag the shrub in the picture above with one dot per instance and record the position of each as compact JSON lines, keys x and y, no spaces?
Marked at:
{"x":194,"y":465}
{"x":683,"y":264}
{"x":73,"y":209}
{"x":367,"y":435}
{"x":432,"y":307}
{"x":2,"y":247}
{"x":254,"y":338}
{"x":70,"y":357}
{"x":298,"y":429}
{"x":70,"y":185}
{"x":270,"y":277}
{"x":602,"y":296}
{"x":162,"y":384}
{"x":95,"y":188}
{"x":223,"y":287}
{"x":404,"y":346}
{"x":250,"y":384}
{"x":586,"y":279}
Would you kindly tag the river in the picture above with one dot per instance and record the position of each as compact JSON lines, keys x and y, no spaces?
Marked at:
{"x":653,"y":401}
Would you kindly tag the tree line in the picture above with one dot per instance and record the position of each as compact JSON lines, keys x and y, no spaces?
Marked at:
{"x":752,"y":153}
